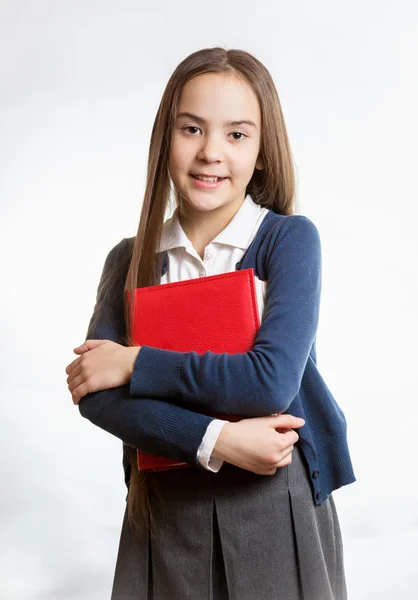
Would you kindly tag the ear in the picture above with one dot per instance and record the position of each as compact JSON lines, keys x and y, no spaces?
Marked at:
{"x":260,"y":163}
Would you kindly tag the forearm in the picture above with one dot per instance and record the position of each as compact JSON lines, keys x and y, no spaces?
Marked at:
{"x":153,"y":426}
{"x":225,"y":390}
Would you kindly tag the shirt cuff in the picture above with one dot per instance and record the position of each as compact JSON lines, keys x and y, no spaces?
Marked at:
{"x":211,"y":463}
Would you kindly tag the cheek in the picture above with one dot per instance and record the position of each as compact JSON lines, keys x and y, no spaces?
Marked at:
{"x":243,"y":166}
{"x":173,"y":153}
{"x":248,"y":164}
{"x":178,"y":161}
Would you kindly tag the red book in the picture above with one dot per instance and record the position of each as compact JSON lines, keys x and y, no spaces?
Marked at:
{"x":217,"y":313}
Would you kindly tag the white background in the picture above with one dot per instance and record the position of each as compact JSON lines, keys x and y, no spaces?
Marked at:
{"x":80,"y":83}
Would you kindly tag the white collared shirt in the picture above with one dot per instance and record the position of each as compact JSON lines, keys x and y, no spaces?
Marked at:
{"x":220,"y":256}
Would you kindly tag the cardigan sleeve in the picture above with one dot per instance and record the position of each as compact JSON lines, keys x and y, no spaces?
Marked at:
{"x":266,"y":379}
{"x":153,"y":426}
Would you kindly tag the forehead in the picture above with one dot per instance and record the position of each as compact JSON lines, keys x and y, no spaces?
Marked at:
{"x":220,"y":97}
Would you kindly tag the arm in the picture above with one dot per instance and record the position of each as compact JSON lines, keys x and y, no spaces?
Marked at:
{"x":153,"y":426}
{"x":266,"y":379}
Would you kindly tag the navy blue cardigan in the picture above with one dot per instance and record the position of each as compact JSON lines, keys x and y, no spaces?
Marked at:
{"x":155,"y":412}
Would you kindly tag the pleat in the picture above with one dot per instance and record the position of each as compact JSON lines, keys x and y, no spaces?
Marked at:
{"x":317,"y":538}
{"x":256,"y":532}
{"x":181,"y":549}
{"x":219,"y":585}
{"x":130,"y":580}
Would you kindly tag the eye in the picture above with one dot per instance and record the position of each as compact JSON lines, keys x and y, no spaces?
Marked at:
{"x":190,"y":127}
{"x":239,"y":133}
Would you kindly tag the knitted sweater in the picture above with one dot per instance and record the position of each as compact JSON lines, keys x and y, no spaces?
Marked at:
{"x":156,"y":411}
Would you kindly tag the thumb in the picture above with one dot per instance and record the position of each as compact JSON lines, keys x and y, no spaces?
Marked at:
{"x":88,"y":345}
{"x":286,"y":420}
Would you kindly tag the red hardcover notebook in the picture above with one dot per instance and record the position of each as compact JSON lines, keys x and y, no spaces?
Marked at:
{"x":217,"y":313}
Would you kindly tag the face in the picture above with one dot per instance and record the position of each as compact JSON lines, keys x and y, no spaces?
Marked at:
{"x":207,"y":142}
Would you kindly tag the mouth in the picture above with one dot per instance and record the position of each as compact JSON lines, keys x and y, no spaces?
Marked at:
{"x":207,"y":183}
{"x":208,"y":178}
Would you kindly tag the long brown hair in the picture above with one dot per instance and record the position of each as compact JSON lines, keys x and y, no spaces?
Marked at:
{"x":273,"y":188}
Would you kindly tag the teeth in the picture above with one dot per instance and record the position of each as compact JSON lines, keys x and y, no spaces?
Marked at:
{"x":214,"y":179}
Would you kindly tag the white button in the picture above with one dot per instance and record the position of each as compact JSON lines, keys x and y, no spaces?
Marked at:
{"x":208,"y":256}
{"x":202,"y":272}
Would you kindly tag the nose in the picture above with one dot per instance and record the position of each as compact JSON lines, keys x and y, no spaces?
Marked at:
{"x":210,"y":150}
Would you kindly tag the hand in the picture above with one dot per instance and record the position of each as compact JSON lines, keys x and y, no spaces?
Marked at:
{"x":255,"y":445}
{"x":103,"y":364}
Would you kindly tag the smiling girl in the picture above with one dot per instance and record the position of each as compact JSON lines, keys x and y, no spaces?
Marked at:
{"x":255,"y":518}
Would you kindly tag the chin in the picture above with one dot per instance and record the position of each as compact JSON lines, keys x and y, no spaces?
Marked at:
{"x":207,"y":201}
{"x":203,"y":206}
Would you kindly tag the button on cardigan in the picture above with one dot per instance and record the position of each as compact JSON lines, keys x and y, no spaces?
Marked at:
{"x":155,"y":412}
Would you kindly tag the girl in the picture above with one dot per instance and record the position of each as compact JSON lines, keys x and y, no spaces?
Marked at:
{"x":264,"y":526}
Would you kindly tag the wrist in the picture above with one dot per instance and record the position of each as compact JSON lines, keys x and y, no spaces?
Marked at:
{"x":132,"y":353}
{"x":222,"y":446}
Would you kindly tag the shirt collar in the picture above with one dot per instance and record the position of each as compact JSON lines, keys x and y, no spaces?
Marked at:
{"x":237,"y":233}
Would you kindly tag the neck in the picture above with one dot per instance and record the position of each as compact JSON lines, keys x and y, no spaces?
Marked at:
{"x":202,"y":227}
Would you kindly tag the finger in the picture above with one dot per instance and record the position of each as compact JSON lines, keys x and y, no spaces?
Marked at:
{"x":265,"y":471}
{"x":73,"y":365}
{"x":89,"y":345}
{"x":284,"y":456}
{"x":289,"y":438}
{"x":77,"y":381}
{"x":287,"y":460}
{"x":79,"y":392}
{"x":286,"y":452}
{"x":81,"y":349}
{"x":285,"y":421}
{"x":74,"y":373}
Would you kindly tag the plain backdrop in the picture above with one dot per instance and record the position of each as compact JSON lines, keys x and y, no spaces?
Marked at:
{"x":80,"y":84}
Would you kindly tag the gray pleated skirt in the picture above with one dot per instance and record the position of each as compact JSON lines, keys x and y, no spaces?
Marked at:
{"x":234,"y":535}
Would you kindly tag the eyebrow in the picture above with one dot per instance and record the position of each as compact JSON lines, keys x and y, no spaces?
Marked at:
{"x":226,"y":124}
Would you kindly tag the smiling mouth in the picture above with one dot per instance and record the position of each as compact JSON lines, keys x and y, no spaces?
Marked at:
{"x":208,"y":179}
